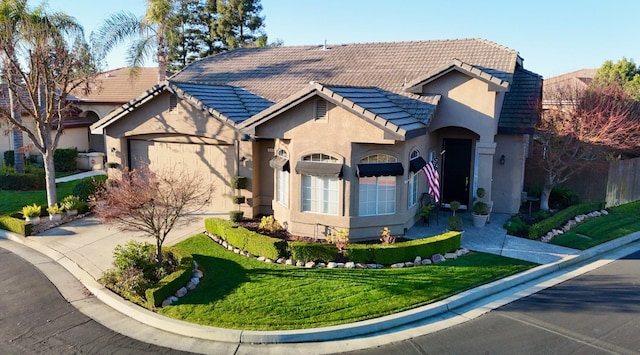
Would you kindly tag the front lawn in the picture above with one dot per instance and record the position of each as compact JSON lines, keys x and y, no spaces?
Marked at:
{"x":620,"y":221}
{"x":13,"y":201}
{"x":241,"y":293}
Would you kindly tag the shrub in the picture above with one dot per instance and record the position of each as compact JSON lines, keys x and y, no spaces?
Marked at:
{"x":455,"y":223}
{"x":539,"y":229}
{"x":313,"y":251}
{"x":454,"y":206}
{"x":339,"y":238}
{"x":22,"y":182}
{"x":54,"y":209}
{"x":9,"y":158}
{"x":269,"y":224}
{"x":169,"y":284}
{"x":72,"y":202}
{"x":65,"y":159}
{"x":136,"y":270}
{"x":404,"y":251}
{"x":88,"y":186}
{"x":236,"y":216}
{"x":242,"y":238}
{"x":31,"y":211}
{"x":15,"y":225}
{"x":515,"y":225}
{"x":239,"y":182}
{"x":480,"y":208}
{"x":386,"y":237}
{"x":238,"y":199}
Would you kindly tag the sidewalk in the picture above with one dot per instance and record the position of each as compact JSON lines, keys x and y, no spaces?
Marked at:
{"x":84,"y":249}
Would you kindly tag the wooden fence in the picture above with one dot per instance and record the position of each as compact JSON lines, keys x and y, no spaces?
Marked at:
{"x":623,"y":182}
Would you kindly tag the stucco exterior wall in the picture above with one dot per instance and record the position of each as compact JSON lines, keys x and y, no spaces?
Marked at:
{"x":71,"y":138}
{"x":508,"y":179}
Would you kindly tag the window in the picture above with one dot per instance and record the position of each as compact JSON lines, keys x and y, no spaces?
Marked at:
{"x":320,"y":193}
{"x":377,"y":194}
{"x":282,"y":181}
{"x":413,"y":181}
{"x":320,"y":108}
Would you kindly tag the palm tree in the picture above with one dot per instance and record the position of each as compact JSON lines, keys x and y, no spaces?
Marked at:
{"x":147,"y":35}
{"x":40,"y":68}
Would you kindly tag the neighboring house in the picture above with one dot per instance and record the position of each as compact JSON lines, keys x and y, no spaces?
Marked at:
{"x":335,"y":137}
{"x":579,"y":79}
{"x":108,"y":91}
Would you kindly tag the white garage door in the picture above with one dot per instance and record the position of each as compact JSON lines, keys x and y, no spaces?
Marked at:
{"x":215,"y":163}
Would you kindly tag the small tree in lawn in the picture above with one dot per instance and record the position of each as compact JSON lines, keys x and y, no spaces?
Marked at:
{"x":578,"y":126}
{"x":151,"y":202}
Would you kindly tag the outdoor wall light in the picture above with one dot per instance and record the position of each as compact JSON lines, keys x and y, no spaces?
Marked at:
{"x":502,"y":160}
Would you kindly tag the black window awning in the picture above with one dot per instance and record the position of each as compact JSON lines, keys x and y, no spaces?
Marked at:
{"x":416,"y":164}
{"x":280,"y":163}
{"x":381,"y":169}
{"x":315,"y":168}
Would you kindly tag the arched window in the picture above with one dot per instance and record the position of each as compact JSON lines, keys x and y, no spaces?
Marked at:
{"x":377,"y":184}
{"x":320,"y":183}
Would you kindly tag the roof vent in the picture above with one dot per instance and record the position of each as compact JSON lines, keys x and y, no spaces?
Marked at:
{"x":324,"y":46}
{"x":107,"y":75}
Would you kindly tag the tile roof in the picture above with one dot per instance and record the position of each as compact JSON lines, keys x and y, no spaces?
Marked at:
{"x":275,"y":73}
{"x":578,"y":79}
{"x":406,"y":116}
{"x":225,"y":102}
{"x":520,"y":107}
{"x":119,"y":86}
{"x":495,"y":82}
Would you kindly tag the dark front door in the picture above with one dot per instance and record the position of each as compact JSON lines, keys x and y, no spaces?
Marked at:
{"x":456,"y":170}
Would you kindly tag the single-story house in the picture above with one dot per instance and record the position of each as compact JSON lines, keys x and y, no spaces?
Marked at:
{"x":108,"y":91}
{"x":335,"y":136}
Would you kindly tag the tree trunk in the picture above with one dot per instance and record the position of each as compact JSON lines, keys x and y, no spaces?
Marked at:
{"x":18,"y":154}
{"x":544,"y":197}
{"x":50,"y":178}
{"x":159,"y":250}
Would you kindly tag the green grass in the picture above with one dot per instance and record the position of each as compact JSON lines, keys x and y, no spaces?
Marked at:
{"x":12,"y":201}
{"x":621,"y":220}
{"x":242,"y":293}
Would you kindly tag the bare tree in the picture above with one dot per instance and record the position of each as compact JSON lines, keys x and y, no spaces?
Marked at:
{"x":582,"y":125}
{"x":151,"y":202}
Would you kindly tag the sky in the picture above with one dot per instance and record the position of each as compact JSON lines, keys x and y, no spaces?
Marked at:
{"x":552,"y":36}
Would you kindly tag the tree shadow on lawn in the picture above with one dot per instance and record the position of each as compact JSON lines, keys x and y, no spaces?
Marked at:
{"x":221,"y":277}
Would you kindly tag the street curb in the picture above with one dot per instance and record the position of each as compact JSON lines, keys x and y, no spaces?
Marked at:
{"x":315,"y":334}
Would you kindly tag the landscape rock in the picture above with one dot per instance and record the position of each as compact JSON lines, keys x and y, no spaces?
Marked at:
{"x":321,"y":265}
{"x":229,"y":247}
{"x":197,"y":273}
{"x":462,"y":251}
{"x":299,"y":263}
{"x":437,"y":258}
{"x":409,"y":264}
{"x":173,"y":299}
{"x":195,"y":280}
{"x":340,"y":265}
{"x":268,"y":261}
{"x":181,"y":292}
{"x":288,"y":262}
{"x":236,"y":250}
{"x":332,"y":265}
{"x":417,"y":260}
{"x":350,"y":265}
{"x":166,"y":302}
{"x":604,"y":212}
{"x":281,"y":260}
{"x":450,"y":256}
{"x":191,"y":286}
{"x":426,"y":261}
{"x":225,"y":244}
{"x":372,"y":266}
{"x":361,"y":266}
{"x":397,"y":265}
{"x":195,"y":264}
{"x":310,"y":264}
{"x":261,"y":258}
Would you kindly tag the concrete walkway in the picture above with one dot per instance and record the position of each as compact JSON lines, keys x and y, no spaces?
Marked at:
{"x":81,"y":175}
{"x":84,"y":249}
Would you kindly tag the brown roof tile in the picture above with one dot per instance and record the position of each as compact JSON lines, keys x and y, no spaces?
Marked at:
{"x":277,"y":72}
{"x":119,"y":86}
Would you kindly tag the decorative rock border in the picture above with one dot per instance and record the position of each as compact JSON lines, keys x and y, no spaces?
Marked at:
{"x":572,"y":223}
{"x":190,"y":286}
{"x":418,"y":261}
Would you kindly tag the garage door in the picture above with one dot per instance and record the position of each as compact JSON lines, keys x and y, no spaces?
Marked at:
{"x":214,"y":163}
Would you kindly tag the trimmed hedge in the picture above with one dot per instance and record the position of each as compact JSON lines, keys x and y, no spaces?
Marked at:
{"x":313,"y":251}
{"x":242,"y":238}
{"x":88,"y":186}
{"x":404,"y":251}
{"x":22,"y":182}
{"x":557,"y":220}
{"x":15,"y":225}
{"x":65,"y":159}
{"x":9,"y":158}
{"x":171,"y":283}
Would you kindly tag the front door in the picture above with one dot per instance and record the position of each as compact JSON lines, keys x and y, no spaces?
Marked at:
{"x":456,"y":170}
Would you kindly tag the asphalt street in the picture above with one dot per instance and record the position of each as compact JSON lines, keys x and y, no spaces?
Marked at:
{"x":36,"y":319}
{"x":596,"y":313}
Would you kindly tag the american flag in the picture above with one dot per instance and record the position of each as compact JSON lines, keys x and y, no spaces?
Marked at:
{"x":433,"y":179}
